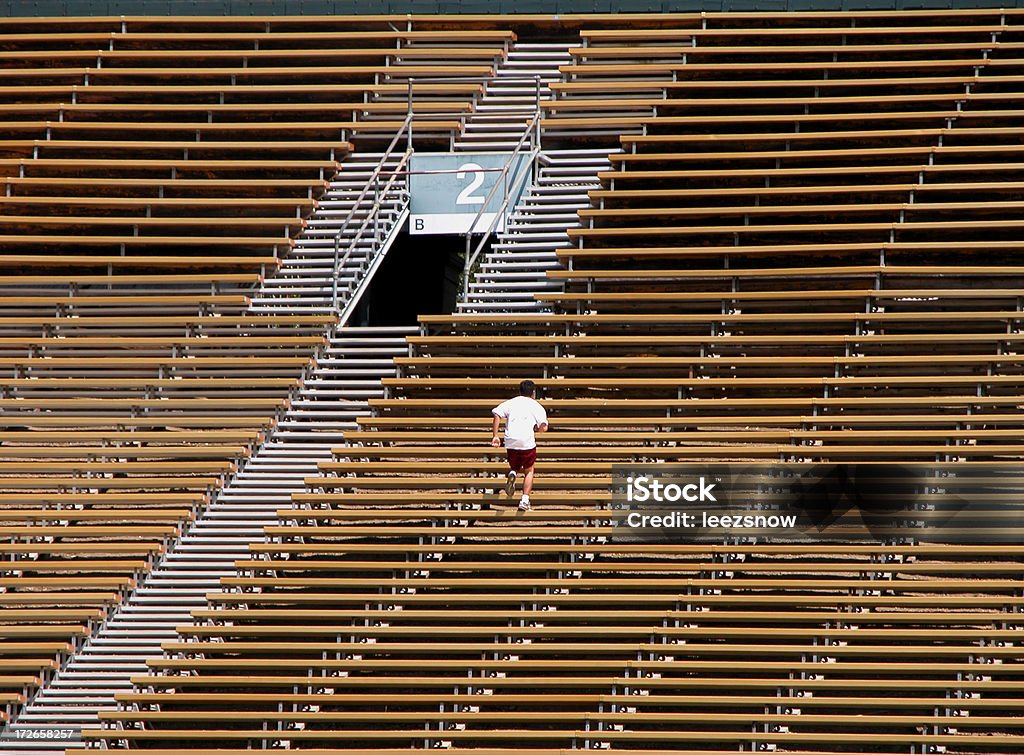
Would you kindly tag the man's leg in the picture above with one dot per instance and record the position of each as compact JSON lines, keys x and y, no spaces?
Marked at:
{"x":524,"y":502}
{"x":528,"y":480}
{"x":510,"y":477}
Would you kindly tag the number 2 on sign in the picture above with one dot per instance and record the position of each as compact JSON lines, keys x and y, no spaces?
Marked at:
{"x":466,"y":196}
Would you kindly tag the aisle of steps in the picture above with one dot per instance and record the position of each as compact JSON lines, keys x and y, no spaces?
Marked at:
{"x":304,"y":280}
{"x":514,"y":268}
{"x":510,"y":98}
{"x":348,"y":372}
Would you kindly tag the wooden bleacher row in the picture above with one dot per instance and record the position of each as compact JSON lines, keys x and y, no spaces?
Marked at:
{"x":214,"y":123}
{"x":403,"y":580}
{"x":133,"y":388}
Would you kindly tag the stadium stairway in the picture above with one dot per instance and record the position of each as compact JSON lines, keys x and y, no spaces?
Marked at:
{"x":305,"y":278}
{"x":509,"y":100}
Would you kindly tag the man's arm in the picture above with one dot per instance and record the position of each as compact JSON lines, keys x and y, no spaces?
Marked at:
{"x":542,"y":420}
{"x":495,"y":422}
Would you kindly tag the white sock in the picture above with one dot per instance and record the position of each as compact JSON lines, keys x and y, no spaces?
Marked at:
{"x":524,"y":499}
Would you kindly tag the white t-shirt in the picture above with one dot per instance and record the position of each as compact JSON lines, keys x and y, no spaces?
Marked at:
{"x":520,"y":414}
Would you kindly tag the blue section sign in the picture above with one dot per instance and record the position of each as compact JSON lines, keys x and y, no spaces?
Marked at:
{"x":448,"y":190}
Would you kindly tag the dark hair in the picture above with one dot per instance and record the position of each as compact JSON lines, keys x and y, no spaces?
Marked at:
{"x":527,"y":388}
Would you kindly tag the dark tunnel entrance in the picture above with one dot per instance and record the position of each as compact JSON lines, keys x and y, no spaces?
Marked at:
{"x":419,"y":276}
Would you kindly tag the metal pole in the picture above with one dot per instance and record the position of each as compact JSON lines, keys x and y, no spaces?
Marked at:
{"x":408,"y":115}
{"x":465,"y":265}
{"x":334,"y":281}
{"x":536,"y":113}
{"x":376,"y":210}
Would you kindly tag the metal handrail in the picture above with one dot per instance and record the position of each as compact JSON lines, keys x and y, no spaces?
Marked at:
{"x":374,"y":215}
{"x":372,"y":181}
{"x":510,"y":190}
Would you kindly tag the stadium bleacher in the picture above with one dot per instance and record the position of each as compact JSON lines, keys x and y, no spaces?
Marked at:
{"x":806,"y":251}
{"x":144,"y":203}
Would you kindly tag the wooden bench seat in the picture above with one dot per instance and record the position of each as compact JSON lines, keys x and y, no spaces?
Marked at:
{"x":64,"y":483}
{"x":62,"y":599}
{"x":567,"y":364}
{"x":176,"y":184}
{"x":224,"y":701}
{"x":112,"y":362}
{"x":684,"y":53}
{"x":245,"y":244}
{"x":846,"y":551}
{"x":739,"y":274}
{"x":757,"y":81}
{"x":604,"y":682}
{"x":565,"y":666}
{"x":162,"y":301}
{"x":331,"y":38}
{"x":32,"y":648}
{"x":880,"y":229}
{"x":72,"y":501}
{"x":554,"y":320}
{"x":506,"y":383}
{"x":177,"y":384}
{"x":87,"y":261}
{"x":477,"y":750}
{"x":579,"y":444}
{"x":93,"y":515}
{"x":62,"y":92}
{"x":791,"y":599}
{"x":626,"y":214}
{"x":651,"y":426}
{"x":70,"y":531}
{"x":879,"y":170}
{"x":248,"y":342}
{"x":104,"y":437}
{"x":325,"y":168}
{"x":791,"y":31}
{"x":809,"y":248}
{"x":388,"y":483}
{"x":880,"y":570}
{"x":751,"y":408}
{"x":123,"y":452}
{"x":94,"y":403}
{"x":15,"y":221}
{"x":205,"y":280}
{"x":76,"y":566}
{"x":890,"y":296}
{"x":139,"y":548}
{"x":597,"y":583}
{"x":838,"y":154}
{"x":514,"y":718}
{"x":557,"y":459}
{"x":55,"y":615}
{"x":131,"y":467}
{"x":674,"y":104}
{"x":459,"y":341}
{"x":150,"y":203}
{"x":180,"y":320}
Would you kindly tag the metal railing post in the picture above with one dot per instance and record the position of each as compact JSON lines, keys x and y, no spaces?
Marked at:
{"x":536,"y":142}
{"x":408,"y":116}
{"x":334,"y":278}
